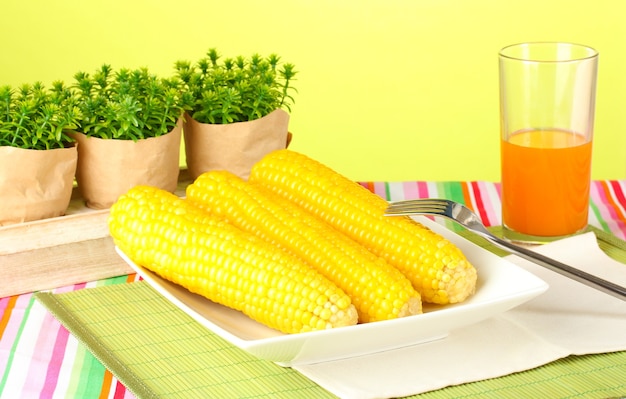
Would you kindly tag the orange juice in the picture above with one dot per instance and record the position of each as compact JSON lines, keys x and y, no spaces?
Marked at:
{"x":545,"y":182}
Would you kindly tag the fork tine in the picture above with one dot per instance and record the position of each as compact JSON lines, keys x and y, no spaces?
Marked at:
{"x":428,"y":201}
{"x":415,"y":209}
{"x":436,"y":206}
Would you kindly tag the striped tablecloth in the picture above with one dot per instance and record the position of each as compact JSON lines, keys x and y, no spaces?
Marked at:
{"x":39,"y":358}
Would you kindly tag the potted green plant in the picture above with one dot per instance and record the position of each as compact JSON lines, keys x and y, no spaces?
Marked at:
{"x":239,"y":110}
{"x":37,"y":156}
{"x":129,"y":132}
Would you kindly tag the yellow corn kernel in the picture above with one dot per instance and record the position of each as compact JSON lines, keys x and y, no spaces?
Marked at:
{"x":378,"y":290}
{"x":209,"y":257}
{"x":437,"y":268}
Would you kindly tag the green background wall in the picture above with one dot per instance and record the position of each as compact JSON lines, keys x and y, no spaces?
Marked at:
{"x":387,"y":89}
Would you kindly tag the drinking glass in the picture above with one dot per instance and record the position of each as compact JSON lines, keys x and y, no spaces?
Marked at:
{"x":547,"y":105}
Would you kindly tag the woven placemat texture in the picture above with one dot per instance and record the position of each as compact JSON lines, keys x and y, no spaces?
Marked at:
{"x":158,"y":351}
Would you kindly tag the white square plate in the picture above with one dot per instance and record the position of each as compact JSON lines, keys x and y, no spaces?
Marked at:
{"x":501,"y":286}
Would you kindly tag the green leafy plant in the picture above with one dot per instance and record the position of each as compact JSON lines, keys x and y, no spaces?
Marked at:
{"x":34,"y":117}
{"x":236,"y":89}
{"x":128,"y":104}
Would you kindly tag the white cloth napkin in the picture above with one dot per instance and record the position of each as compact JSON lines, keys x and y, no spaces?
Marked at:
{"x":569,"y":318}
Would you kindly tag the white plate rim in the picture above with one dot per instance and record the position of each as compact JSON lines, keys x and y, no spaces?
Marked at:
{"x":327,"y":345}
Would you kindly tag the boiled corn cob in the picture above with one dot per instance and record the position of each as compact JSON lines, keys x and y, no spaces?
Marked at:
{"x":378,"y":290}
{"x":437,"y":268}
{"x":209,"y":257}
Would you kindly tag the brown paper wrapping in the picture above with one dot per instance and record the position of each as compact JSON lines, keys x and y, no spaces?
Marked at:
{"x":108,"y":168}
{"x":235,"y":147}
{"x":35,"y":184}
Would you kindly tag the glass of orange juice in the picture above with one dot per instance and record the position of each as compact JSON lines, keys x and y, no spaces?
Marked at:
{"x":547,"y":105}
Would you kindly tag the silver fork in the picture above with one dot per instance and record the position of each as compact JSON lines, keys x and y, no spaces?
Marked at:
{"x":468,"y":219}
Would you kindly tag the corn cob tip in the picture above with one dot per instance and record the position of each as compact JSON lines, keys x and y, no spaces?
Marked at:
{"x":438,"y":271}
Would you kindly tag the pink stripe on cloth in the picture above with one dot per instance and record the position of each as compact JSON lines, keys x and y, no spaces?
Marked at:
{"x":416,"y":189}
{"x":422,"y":190}
{"x":120,"y":391}
{"x":491,"y":202}
{"x":56,"y":360}
{"x":599,"y":196}
{"x":411,"y":190}
{"x":49,"y":345}
{"x":618,"y":189}
{"x":61,"y":337}
{"x":380,"y":188}
{"x":618,"y":203}
{"x":479,"y":203}
{"x":398,"y":191}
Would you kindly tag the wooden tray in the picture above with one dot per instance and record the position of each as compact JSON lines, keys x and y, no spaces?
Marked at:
{"x":56,"y":252}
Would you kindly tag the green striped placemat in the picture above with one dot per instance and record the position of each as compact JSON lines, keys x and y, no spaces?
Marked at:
{"x":156,"y":350}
